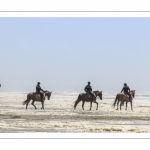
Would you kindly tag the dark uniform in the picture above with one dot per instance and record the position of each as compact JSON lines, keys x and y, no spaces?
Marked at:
{"x":126,"y":90}
{"x":38,"y":90}
{"x":88,"y":89}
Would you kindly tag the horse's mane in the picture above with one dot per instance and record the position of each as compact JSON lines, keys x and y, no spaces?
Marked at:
{"x":48,"y":91}
{"x":98,"y":91}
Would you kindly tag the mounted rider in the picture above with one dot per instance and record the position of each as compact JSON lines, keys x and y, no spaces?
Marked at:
{"x":38,"y":90}
{"x":126,"y":90}
{"x":88,"y":90}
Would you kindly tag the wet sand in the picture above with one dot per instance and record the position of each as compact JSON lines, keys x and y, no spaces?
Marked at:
{"x":59,"y":116}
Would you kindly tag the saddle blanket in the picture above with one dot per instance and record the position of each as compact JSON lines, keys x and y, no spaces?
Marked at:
{"x":127,"y":95}
{"x":89,"y":95}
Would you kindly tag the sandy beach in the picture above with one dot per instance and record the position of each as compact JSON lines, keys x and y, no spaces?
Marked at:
{"x":59,"y":115}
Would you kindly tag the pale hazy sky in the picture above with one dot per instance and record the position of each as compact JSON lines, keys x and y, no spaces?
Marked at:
{"x":65,"y":53}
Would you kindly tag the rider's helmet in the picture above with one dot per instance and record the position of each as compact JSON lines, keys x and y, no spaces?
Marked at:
{"x":89,"y":82}
{"x":125,"y":84}
{"x":38,"y":83}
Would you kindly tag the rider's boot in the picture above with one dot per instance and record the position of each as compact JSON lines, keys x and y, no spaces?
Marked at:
{"x":42,"y":99}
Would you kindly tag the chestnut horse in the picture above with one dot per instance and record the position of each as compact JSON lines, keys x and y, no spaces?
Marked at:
{"x":84,"y":97}
{"x":121,"y":97}
{"x":34,"y":97}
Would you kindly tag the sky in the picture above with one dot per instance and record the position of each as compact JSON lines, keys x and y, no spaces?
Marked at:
{"x":65,"y":53}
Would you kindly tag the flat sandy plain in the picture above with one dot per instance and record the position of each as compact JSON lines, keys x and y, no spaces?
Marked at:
{"x":59,"y":115}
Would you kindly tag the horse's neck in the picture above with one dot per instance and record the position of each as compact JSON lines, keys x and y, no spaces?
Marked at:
{"x":46,"y":94}
{"x":132,"y":93}
{"x":97,"y":94}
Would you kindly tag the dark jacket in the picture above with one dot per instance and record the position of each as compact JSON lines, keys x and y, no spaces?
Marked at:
{"x":88,"y":89}
{"x":126,"y":89}
{"x":38,"y":89}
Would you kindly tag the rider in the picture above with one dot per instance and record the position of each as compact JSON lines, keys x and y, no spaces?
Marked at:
{"x":126,"y":90}
{"x":88,"y":90}
{"x":38,"y":90}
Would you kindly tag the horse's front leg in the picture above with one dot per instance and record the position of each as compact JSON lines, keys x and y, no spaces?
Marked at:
{"x":33,"y":104}
{"x":42,"y":105}
{"x":97,"y":105}
{"x":131,"y":105}
{"x":90,"y":105}
{"x":126,"y":105}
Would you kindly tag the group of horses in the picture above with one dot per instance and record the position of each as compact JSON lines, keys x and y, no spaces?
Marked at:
{"x":84,"y":97}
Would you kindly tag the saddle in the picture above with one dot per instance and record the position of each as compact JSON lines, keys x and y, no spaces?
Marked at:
{"x":128,"y":97}
{"x":39,"y":96}
{"x":89,"y":96}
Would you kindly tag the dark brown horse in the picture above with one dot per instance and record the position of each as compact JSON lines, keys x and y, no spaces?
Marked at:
{"x":121,"y":97}
{"x":84,"y":97}
{"x":34,"y":97}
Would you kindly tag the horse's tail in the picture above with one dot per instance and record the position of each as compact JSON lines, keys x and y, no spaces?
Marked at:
{"x":77,"y":101}
{"x":26,"y":101}
{"x":115,"y":100}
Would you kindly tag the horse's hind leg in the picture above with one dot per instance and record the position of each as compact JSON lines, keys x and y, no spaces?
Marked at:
{"x":33,"y":104}
{"x":27,"y":104}
{"x":117,"y":105}
{"x":83,"y":104}
{"x":28,"y":100}
{"x":120,"y":105}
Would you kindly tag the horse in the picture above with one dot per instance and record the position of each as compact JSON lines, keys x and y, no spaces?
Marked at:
{"x":34,"y":97}
{"x":84,"y":97}
{"x":121,"y":97}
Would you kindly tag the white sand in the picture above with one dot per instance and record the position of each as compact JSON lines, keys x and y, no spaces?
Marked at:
{"x":59,"y":116}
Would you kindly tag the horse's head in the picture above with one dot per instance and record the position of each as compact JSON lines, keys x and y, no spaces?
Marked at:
{"x":48,"y":94}
{"x":98,"y":93}
{"x":132,"y":93}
